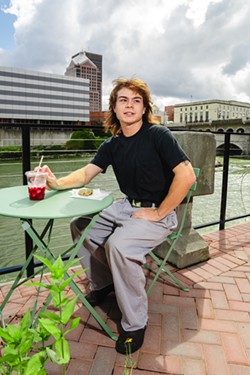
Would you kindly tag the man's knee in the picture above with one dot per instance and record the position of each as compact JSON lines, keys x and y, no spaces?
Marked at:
{"x":79,"y":223}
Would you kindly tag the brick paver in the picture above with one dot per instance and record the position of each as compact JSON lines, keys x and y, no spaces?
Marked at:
{"x":203,"y":332}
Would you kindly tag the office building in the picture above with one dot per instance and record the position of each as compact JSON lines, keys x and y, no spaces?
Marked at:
{"x":89,"y":66}
{"x":42,"y":97}
{"x":211,"y":110}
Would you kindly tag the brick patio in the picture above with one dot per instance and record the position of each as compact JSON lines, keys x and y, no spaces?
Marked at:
{"x":204,"y":331}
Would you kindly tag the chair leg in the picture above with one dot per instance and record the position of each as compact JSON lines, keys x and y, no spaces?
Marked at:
{"x":174,"y":236}
{"x":159,"y":273}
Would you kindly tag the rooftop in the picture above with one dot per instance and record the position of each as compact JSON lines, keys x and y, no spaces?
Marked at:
{"x":203,"y":332}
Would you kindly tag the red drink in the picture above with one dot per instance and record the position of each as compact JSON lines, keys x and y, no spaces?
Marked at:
{"x":36,"y":184}
{"x":36,"y":193}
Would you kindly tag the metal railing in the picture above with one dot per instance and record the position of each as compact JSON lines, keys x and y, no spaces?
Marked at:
{"x":223,"y":201}
{"x":26,"y":165}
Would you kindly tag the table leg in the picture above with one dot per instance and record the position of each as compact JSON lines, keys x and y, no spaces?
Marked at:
{"x":45,"y":249}
{"x":17,"y":282}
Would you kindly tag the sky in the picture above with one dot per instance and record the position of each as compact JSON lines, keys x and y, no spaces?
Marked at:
{"x":186,"y":50}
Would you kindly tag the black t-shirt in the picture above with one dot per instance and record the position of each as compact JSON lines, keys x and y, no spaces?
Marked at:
{"x":142,"y":163}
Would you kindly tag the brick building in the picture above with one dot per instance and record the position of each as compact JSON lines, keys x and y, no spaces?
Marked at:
{"x":89,"y":66}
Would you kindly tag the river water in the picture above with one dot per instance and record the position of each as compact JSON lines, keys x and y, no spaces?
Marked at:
{"x":205,"y":208}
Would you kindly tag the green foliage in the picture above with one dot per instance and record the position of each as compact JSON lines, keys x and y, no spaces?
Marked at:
{"x":10,"y":152}
{"x":27,"y":349}
{"x":83,"y":140}
{"x":10,"y":148}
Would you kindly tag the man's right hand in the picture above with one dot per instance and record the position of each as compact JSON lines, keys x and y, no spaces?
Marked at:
{"x":76,"y":179}
{"x":51,"y":182}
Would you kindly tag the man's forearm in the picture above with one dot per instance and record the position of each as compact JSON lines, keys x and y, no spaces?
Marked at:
{"x":177,"y":192}
{"x":73,"y":180}
{"x":172,"y":200}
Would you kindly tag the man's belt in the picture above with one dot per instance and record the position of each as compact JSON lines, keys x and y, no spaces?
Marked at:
{"x":138,"y":204}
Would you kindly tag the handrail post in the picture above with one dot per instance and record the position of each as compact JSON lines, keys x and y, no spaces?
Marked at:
{"x":26,"y":167}
{"x":25,"y":150}
{"x":224,"y":182}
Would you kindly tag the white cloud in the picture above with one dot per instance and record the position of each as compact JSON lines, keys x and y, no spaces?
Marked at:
{"x":197,"y":10}
{"x":24,"y":10}
{"x":182,"y":48}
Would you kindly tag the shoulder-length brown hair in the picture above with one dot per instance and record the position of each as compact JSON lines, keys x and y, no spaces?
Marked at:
{"x":138,"y":86}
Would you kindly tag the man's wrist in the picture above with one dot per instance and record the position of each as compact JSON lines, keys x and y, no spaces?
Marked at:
{"x":158,"y":214}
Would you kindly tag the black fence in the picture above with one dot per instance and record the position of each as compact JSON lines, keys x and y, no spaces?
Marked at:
{"x":223,"y":200}
{"x":25,"y":130}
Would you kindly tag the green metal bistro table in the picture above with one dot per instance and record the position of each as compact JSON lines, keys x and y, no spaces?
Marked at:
{"x":14,"y":202}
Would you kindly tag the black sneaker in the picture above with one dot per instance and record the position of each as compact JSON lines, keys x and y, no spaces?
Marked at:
{"x":130,"y":342}
{"x":96,"y":297}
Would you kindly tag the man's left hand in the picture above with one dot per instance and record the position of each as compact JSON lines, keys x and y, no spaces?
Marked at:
{"x":150,"y":214}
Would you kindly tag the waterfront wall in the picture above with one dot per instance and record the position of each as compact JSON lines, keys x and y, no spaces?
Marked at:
{"x":13,"y":137}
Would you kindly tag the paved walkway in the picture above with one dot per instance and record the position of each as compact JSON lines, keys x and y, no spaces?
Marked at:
{"x":204,"y":331}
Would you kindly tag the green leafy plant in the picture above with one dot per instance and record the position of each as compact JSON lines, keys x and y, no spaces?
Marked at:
{"x":29,"y":346}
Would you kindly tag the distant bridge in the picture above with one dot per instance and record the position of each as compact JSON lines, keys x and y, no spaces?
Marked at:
{"x":240,"y":137}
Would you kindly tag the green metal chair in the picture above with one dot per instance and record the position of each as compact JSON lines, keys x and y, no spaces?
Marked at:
{"x":161,"y":270}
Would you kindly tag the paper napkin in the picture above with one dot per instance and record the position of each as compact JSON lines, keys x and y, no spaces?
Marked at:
{"x":97,"y":194}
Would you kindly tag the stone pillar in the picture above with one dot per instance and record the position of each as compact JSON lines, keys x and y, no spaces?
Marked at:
{"x":191,"y":248}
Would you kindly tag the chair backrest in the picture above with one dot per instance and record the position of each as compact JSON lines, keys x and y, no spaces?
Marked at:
{"x":188,"y":197}
{"x":173,"y":237}
{"x":197,"y":173}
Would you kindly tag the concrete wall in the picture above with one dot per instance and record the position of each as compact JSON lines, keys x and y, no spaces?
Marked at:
{"x":191,"y":248}
{"x":13,"y":137}
{"x":201,"y":149}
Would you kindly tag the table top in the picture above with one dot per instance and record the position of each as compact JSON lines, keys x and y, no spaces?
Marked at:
{"x":14,"y":202}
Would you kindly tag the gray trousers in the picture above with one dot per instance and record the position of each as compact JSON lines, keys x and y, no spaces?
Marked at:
{"x":113,"y":252}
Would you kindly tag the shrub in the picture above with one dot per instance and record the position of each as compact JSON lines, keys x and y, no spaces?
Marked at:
{"x":81,"y":140}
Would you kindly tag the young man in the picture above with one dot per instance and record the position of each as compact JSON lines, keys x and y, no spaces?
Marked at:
{"x":155,"y":175}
